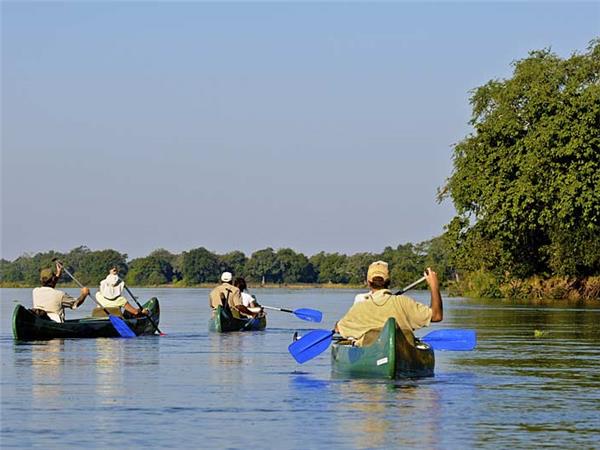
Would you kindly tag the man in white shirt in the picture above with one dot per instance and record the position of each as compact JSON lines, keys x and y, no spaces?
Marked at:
{"x":249,"y":301}
{"x":53,"y":301}
{"x":111,"y":293}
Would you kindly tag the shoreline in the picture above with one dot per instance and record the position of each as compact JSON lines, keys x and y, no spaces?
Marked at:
{"x":445,"y":292}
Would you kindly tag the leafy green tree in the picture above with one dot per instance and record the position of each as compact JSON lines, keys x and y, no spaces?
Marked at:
{"x":26,"y":269}
{"x":94,"y":266}
{"x":525,"y":182}
{"x":438,"y":257}
{"x":234,"y":262}
{"x":357,"y":266}
{"x":295,"y":266}
{"x":200,"y":266}
{"x":167,"y":259}
{"x":164,"y":255}
{"x":10,"y":272}
{"x":406,"y":263}
{"x":150,"y":270}
{"x":331,"y":267}
{"x":264,"y":265}
{"x":74,"y":258}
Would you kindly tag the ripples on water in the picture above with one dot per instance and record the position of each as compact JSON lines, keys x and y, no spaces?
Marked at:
{"x":194,"y":389}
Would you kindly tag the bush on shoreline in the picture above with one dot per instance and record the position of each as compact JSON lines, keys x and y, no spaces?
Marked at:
{"x":483,"y":284}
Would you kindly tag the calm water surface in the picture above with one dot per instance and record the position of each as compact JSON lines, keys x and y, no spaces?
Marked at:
{"x":194,"y":389}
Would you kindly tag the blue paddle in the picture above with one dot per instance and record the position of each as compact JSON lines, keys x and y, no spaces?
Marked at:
{"x":316,"y":342}
{"x":454,"y":340}
{"x":310,"y":315}
{"x":141,"y":307}
{"x":119,"y":324}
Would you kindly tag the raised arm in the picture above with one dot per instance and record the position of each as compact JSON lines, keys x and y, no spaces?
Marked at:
{"x":437,"y":308}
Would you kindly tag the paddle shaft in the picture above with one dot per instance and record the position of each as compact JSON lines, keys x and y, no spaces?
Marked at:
{"x":278,"y":309}
{"x":140,"y":306}
{"x":410,"y":286}
{"x":81,"y":286}
{"x":310,"y":315}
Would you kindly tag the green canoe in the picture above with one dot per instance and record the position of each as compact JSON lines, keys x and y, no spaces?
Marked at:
{"x":222,"y":322}
{"x":391,"y":355}
{"x":28,"y":326}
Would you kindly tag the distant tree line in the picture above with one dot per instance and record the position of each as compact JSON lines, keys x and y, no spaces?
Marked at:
{"x":199,"y":265}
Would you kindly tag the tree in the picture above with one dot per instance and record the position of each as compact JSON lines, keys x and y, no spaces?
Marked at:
{"x":234,"y":262}
{"x":295,"y":266}
{"x":331,"y":267}
{"x":200,"y":266}
{"x":150,"y":270}
{"x":94,"y":265}
{"x":525,"y":182}
{"x":357,"y":266}
{"x":264,"y":265}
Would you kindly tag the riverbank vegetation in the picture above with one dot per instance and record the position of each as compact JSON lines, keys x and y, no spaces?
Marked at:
{"x":526,"y":182}
{"x":525,"y":185}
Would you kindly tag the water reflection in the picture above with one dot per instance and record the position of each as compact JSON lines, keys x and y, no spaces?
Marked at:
{"x":231,"y":353}
{"x":381,"y":411}
{"x":109,"y":373}
{"x":46,"y":370}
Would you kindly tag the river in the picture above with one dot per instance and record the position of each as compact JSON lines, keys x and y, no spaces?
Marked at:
{"x":194,"y":389}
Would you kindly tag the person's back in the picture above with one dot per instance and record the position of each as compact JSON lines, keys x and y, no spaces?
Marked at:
{"x":49,"y":300}
{"x":52,"y":301}
{"x":225,"y":291}
{"x":225,"y":294}
{"x":110,"y":294}
{"x":111,"y":288}
{"x":373,"y":310}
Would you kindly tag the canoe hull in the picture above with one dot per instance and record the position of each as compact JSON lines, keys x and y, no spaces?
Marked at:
{"x":29,"y":327}
{"x":223,"y":322}
{"x":392,"y":355}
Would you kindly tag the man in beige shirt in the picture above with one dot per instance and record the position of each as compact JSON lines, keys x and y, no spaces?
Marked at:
{"x":380,"y":304}
{"x":227,"y":295}
{"x":53,"y":301}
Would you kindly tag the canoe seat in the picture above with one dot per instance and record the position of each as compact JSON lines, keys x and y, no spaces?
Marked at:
{"x":99,"y":312}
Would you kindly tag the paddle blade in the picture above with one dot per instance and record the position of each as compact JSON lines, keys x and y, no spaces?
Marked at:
{"x":310,"y":345}
{"x":310,"y":315}
{"x":455,"y":340}
{"x":121,"y":327}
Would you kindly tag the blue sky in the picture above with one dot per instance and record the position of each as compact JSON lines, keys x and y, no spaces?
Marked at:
{"x":237,"y":126}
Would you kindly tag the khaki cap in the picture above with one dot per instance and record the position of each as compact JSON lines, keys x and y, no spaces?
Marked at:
{"x":46,"y":275}
{"x":378,"y":269}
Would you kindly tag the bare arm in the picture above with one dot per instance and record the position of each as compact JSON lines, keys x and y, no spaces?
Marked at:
{"x":437,"y":308}
{"x":82,"y":296}
{"x":245,"y":310}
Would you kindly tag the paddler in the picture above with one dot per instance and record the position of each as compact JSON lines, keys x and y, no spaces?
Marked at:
{"x":51,"y":302}
{"x":110,"y":294}
{"x":380,"y":304}
{"x":248,"y":300}
{"x":228,"y":296}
